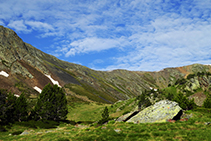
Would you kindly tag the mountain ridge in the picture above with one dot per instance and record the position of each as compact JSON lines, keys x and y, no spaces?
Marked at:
{"x":27,"y":67}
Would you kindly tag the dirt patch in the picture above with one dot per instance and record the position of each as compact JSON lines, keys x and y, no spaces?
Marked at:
{"x":198,"y":98}
{"x":39,"y":79}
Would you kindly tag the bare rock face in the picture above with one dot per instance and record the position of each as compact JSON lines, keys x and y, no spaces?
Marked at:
{"x":159,"y":112}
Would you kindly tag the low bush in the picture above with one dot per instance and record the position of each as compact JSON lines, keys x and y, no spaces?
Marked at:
{"x":63,"y":139}
{"x":3,"y":129}
{"x":17,"y":132}
{"x":46,"y":124}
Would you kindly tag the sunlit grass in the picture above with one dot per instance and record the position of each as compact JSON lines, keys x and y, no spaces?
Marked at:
{"x":194,"y":129}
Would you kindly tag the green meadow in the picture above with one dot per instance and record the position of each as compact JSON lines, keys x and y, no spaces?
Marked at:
{"x":81,"y":125}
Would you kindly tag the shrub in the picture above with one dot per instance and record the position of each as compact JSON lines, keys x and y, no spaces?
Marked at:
{"x":63,"y":139}
{"x":2,"y":129}
{"x":17,"y":132}
{"x":46,"y":124}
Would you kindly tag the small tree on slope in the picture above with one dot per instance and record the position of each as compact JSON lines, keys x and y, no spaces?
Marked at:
{"x":105,"y":114}
{"x":51,"y":104}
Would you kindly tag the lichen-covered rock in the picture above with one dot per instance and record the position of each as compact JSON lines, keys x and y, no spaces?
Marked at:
{"x":159,"y":112}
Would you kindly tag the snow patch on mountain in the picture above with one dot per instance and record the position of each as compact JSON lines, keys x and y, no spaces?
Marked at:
{"x":37,"y":89}
{"x":153,"y":89}
{"x":16,"y":95}
{"x":52,"y":80}
{"x":4,"y":74}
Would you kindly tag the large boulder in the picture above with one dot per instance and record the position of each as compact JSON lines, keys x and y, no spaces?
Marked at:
{"x":159,"y":112}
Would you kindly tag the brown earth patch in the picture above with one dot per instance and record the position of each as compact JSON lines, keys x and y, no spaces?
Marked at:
{"x":198,"y":98}
{"x":39,"y":80}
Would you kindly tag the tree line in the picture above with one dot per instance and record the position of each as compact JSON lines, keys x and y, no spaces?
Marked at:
{"x":51,"y":105}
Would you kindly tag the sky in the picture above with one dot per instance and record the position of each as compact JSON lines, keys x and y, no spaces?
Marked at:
{"x":137,"y":35}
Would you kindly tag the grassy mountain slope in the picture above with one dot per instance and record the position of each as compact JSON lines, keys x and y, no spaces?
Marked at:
{"x":27,"y":67}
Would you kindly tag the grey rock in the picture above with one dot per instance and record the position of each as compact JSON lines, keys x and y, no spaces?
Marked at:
{"x":24,"y":133}
{"x":207,"y":123}
{"x":159,"y":112}
{"x":117,"y":130}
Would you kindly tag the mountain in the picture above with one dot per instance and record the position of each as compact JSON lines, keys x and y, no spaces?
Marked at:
{"x":23,"y":68}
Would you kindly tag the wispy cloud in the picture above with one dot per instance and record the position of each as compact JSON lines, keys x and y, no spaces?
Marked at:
{"x":19,"y":26}
{"x":147,"y":34}
{"x":36,"y":25}
{"x":1,"y":23}
{"x":94,"y":44}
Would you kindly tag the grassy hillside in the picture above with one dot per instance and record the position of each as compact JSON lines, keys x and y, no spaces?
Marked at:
{"x":196,"y":128}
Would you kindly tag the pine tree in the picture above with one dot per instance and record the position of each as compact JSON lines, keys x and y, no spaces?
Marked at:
{"x":10,"y":104}
{"x":51,"y":104}
{"x":3,"y":107}
{"x":207,"y":102}
{"x":21,"y":106}
{"x":184,"y":102}
{"x":105,"y":114}
{"x":143,"y":100}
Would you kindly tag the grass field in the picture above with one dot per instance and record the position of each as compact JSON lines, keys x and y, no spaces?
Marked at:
{"x":86,"y":112}
{"x":196,"y":128}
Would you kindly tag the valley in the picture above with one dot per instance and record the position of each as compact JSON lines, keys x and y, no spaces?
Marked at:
{"x":25,"y":69}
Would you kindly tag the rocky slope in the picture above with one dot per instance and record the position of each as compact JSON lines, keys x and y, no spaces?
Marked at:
{"x":29,"y":68}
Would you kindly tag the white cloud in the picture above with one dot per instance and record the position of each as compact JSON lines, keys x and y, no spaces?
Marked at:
{"x":36,"y":25}
{"x":19,"y":26}
{"x":93,"y":44}
{"x":1,"y":23}
{"x":150,"y":34}
{"x":171,"y":47}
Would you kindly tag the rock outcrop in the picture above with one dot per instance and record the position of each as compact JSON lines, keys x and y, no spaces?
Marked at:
{"x":159,"y":112}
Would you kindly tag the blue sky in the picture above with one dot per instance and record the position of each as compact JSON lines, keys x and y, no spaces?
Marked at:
{"x":140,"y":35}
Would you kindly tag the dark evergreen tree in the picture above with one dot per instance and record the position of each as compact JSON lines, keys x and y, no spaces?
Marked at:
{"x":3,"y":108}
{"x":184,"y":102}
{"x":51,"y":104}
{"x":21,"y":105}
{"x":105,"y":114}
{"x":143,"y":100}
{"x":10,"y":104}
{"x":207,"y":102}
